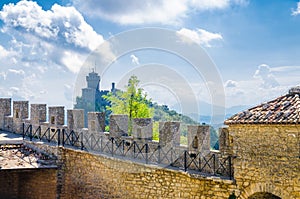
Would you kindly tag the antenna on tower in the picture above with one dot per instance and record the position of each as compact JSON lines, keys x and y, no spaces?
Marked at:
{"x":95,"y":67}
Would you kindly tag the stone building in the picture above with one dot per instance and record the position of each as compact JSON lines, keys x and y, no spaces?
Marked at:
{"x":259,"y":156}
{"x":265,"y":142}
{"x":92,"y":97}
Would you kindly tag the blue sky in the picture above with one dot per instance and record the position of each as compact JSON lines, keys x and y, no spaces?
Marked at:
{"x":255,"y":45}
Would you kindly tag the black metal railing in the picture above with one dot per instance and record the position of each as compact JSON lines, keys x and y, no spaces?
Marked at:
{"x":154,"y":153}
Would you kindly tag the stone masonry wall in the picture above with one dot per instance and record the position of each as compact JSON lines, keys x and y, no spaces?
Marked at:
{"x":87,"y":175}
{"x":28,"y":184}
{"x":267,"y":159}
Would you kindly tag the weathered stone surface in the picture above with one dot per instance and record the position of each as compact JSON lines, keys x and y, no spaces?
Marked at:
{"x":96,"y":122}
{"x":199,"y":138}
{"x":29,"y":184}
{"x":90,"y":176}
{"x":38,"y":113}
{"x":20,"y":112}
{"x":5,"y":110}
{"x":225,"y":142}
{"x":142,"y":129}
{"x":169,"y":133}
{"x":75,"y":119}
{"x":118,"y":125}
{"x":267,"y":159}
{"x":56,"y":115}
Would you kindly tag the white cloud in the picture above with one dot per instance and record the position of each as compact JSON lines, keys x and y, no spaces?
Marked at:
{"x":135,"y":11}
{"x":46,"y":50}
{"x":60,"y":23}
{"x":297,"y":11}
{"x":151,"y":11}
{"x":199,"y":36}
{"x":230,"y":84}
{"x":267,"y":83}
{"x":134,"y":59}
{"x":210,"y":4}
{"x":268,"y":79}
{"x":47,"y":36}
{"x":285,"y":69}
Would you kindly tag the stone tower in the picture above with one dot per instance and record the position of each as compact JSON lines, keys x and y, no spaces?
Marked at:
{"x":92,"y":98}
{"x":90,"y":93}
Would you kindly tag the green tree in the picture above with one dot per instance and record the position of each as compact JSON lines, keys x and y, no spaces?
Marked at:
{"x":133,"y":101}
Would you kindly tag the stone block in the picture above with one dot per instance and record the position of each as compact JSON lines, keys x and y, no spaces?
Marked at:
{"x":169,"y":133}
{"x":118,"y":125}
{"x":5,"y":110}
{"x":20,"y":110}
{"x":225,"y":145}
{"x":96,"y":122}
{"x":75,"y":119}
{"x":38,"y":113}
{"x":56,"y":115}
{"x":142,"y":129}
{"x":199,"y":138}
{"x":20,"y":113}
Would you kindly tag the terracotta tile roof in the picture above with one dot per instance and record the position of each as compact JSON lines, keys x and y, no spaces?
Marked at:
{"x":282,"y":110}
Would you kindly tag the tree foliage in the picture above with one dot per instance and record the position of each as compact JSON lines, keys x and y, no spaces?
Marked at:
{"x":133,"y":101}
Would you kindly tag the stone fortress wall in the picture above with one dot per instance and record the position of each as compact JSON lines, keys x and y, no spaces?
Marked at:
{"x":142,"y":128}
{"x":266,"y":157}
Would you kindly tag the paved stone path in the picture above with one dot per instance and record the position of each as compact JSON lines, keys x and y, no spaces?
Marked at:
{"x":15,"y":155}
{"x":10,"y":138}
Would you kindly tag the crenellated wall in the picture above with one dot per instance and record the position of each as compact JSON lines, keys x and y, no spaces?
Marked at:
{"x":142,"y":128}
{"x":266,"y":157}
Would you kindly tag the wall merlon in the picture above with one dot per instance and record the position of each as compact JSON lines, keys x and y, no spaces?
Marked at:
{"x":142,"y":129}
{"x":38,"y":113}
{"x":20,"y":110}
{"x":75,"y":119}
{"x":199,"y":138}
{"x":169,"y":133}
{"x":118,"y":125}
{"x":56,"y":115}
{"x":225,"y":142}
{"x":96,"y":122}
{"x":5,"y":110}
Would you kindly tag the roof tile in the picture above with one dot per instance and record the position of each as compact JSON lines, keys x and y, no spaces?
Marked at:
{"x":284,"y":109}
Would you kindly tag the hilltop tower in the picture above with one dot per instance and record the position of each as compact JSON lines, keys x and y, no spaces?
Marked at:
{"x":91,"y":93}
{"x":92,"y":97}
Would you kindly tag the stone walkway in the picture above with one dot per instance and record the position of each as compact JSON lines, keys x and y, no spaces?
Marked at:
{"x":16,"y":155}
{"x":10,"y":138}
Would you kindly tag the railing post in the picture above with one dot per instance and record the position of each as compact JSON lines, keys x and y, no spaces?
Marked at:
{"x":112,"y":146}
{"x":185,"y":160}
{"x":230,"y":168}
{"x":123,"y":147}
{"x":101,"y":143}
{"x":40,"y":132}
{"x":72,"y":134}
{"x":58,"y":138}
{"x":63,"y":137}
{"x":23,"y":130}
{"x":81,"y":140}
{"x":147,"y":150}
{"x":134,"y":149}
{"x":30,"y":132}
{"x":48,"y":138}
{"x":214,"y":164}
{"x":159,"y":160}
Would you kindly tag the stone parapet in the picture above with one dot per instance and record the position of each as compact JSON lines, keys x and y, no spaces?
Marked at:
{"x":118,"y":125}
{"x":142,"y":129}
{"x":38,"y":113}
{"x":169,"y":133}
{"x":96,"y":122}
{"x":75,"y":119}
{"x":199,"y":138}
